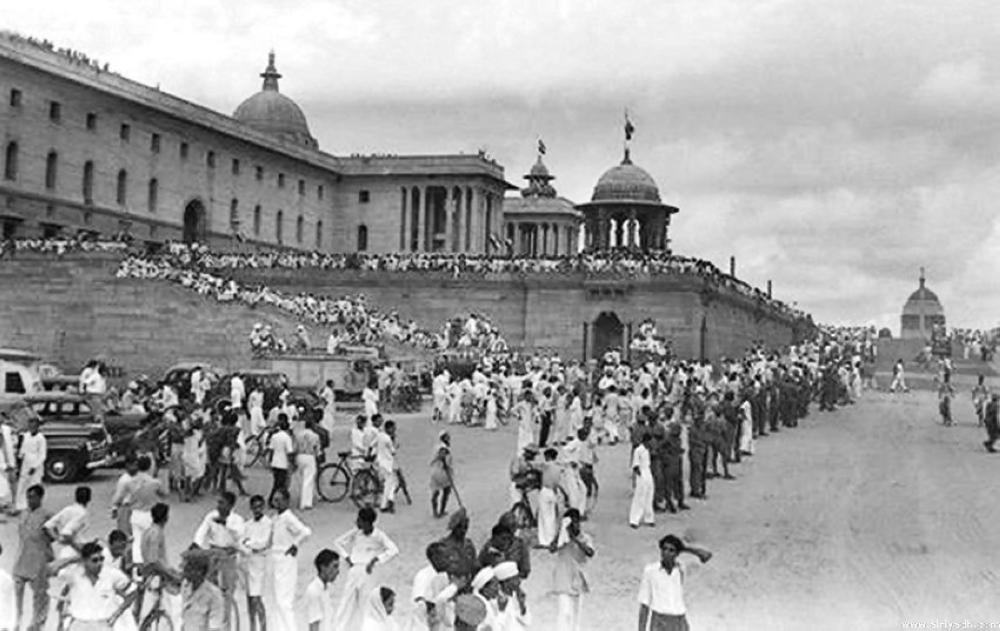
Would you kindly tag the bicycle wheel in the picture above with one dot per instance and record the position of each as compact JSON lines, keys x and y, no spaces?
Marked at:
{"x":234,"y":614}
{"x":253,"y":451}
{"x":156,"y":620}
{"x":333,"y":482}
{"x":365,"y":488}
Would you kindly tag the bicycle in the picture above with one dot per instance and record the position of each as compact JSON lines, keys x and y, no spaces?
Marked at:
{"x":335,"y":480}
{"x":257,"y":447}
{"x":157,"y":619}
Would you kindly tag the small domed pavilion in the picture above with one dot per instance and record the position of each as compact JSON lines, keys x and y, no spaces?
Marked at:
{"x":921,"y":313}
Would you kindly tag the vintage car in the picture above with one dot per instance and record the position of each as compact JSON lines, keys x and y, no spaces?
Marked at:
{"x":74,"y":448}
{"x":19,"y":374}
{"x":273,"y":384}
{"x":74,"y":408}
{"x":178,"y":377}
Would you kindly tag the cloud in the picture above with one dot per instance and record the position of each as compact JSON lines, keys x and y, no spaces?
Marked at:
{"x":833,"y":147}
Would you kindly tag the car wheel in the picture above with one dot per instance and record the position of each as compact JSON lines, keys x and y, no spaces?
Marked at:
{"x":61,"y":467}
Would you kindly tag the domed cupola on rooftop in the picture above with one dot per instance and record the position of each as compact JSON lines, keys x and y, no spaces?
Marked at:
{"x":271,"y":112}
{"x":625,"y":210}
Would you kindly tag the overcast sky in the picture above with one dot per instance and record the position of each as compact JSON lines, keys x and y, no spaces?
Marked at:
{"x":833,"y":146}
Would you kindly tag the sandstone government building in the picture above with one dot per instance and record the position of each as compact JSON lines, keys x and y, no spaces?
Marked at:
{"x":87,"y":150}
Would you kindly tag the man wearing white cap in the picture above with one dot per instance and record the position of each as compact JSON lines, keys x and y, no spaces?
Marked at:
{"x":511,"y":602}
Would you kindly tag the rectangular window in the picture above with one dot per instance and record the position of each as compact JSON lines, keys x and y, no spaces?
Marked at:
{"x":302,"y":187}
{"x":13,"y":384}
{"x":319,"y":191}
{"x":210,"y":159}
{"x":184,"y":151}
{"x":364,"y":197}
{"x":236,"y":166}
{"x":154,"y":143}
{"x":125,"y":132}
{"x":91,"y":121}
{"x":260,"y":173}
{"x":281,"y":180}
{"x":55,"y":111}
{"x":15,"y":97}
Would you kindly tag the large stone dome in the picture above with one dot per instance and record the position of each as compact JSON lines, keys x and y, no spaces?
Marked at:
{"x":271,"y":112}
{"x":923,"y":301}
{"x":626,"y":182}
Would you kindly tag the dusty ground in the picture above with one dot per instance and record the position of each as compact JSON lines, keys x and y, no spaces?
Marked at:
{"x":867,"y":518}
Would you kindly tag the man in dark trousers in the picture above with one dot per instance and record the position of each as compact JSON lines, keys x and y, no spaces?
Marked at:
{"x":671,"y":458}
{"x":731,"y":413}
{"x":992,"y":422}
{"x":697,"y":456}
{"x":716,"y":429}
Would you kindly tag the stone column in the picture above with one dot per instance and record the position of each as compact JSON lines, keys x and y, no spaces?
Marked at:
{"x":404,"y":216}
{"x":586,"y":331}
{"x":428,"y":227}
{"x":415,"y":221}
{"x":545,"y":240}
{"x":448,"y":218}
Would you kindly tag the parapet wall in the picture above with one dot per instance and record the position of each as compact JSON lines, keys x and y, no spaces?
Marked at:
{"x":73,"y":308}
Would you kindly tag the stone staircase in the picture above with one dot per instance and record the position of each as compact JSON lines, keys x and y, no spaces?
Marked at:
{"x":71,"y":309}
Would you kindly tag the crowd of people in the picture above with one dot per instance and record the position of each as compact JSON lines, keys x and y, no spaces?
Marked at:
{"x":73,"y":56}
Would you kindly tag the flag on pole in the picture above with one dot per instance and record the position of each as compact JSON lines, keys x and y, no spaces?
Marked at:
{"x":629,"y":127}
{"x":541,"y":147}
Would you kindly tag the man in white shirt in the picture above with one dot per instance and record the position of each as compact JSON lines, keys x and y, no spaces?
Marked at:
{"x":289,"y":532}
{"x":362,"y":547}
{"x":661,"y":590}
{"x":385,"y":459}
{"x":329,"y":397}
{"x":222,"y":531}
{"x":65,"y":526}
{"x":33,"y":451}
{"x":282,"y":447}
{"x":94,"y":587}
{"x":237,"y":392}
{"x":257,"y":543}
{"x":319,"y":597}
{"x":641,"y":510}
{"x":8,"y":602}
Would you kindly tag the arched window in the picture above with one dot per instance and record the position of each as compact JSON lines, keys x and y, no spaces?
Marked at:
{"x":277,"y":226}
{"x":319,"y":235}
{"x":122,"y":187}
{"x":51,"y":164}
{"x":362,"y":238}
{"x":88,"y":182}
{"x":256,"y":220}
{"x":154,"y":192}
{"x":10,"y":162}
{"x":299,"y":227}
{"x":234,"y":215}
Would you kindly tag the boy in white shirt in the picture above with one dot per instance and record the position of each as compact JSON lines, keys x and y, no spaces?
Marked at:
{"x":319,"y":597}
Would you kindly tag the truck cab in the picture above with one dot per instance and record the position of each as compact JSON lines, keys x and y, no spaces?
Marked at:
{"x":19,"y":374}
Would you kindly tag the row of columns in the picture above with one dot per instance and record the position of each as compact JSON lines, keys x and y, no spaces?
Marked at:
{"x":630,"y":230}
{"x":542,"y":239}
{"x":447,"y":219}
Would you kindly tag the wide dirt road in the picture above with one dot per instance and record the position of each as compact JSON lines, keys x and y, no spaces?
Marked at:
{"x":866,"y":518}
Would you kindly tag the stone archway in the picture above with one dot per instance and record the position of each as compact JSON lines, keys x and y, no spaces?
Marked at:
{"x":608,"y":333}
{"x":194,"y":222}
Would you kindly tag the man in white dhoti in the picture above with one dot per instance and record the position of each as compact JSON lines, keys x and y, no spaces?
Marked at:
{"x":33,"y":451}
{"x":439,"y":389}
{"x":385,"y":460}
{"x":369,"y":396}
{"x":548,"y":501}
{"x":746,"y":431}
{"x":641,"y":510}
{"x":288,"y":533}
{"x":329,"y":397}
{"x":257,"y":544}
{"x":362,"y":548}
